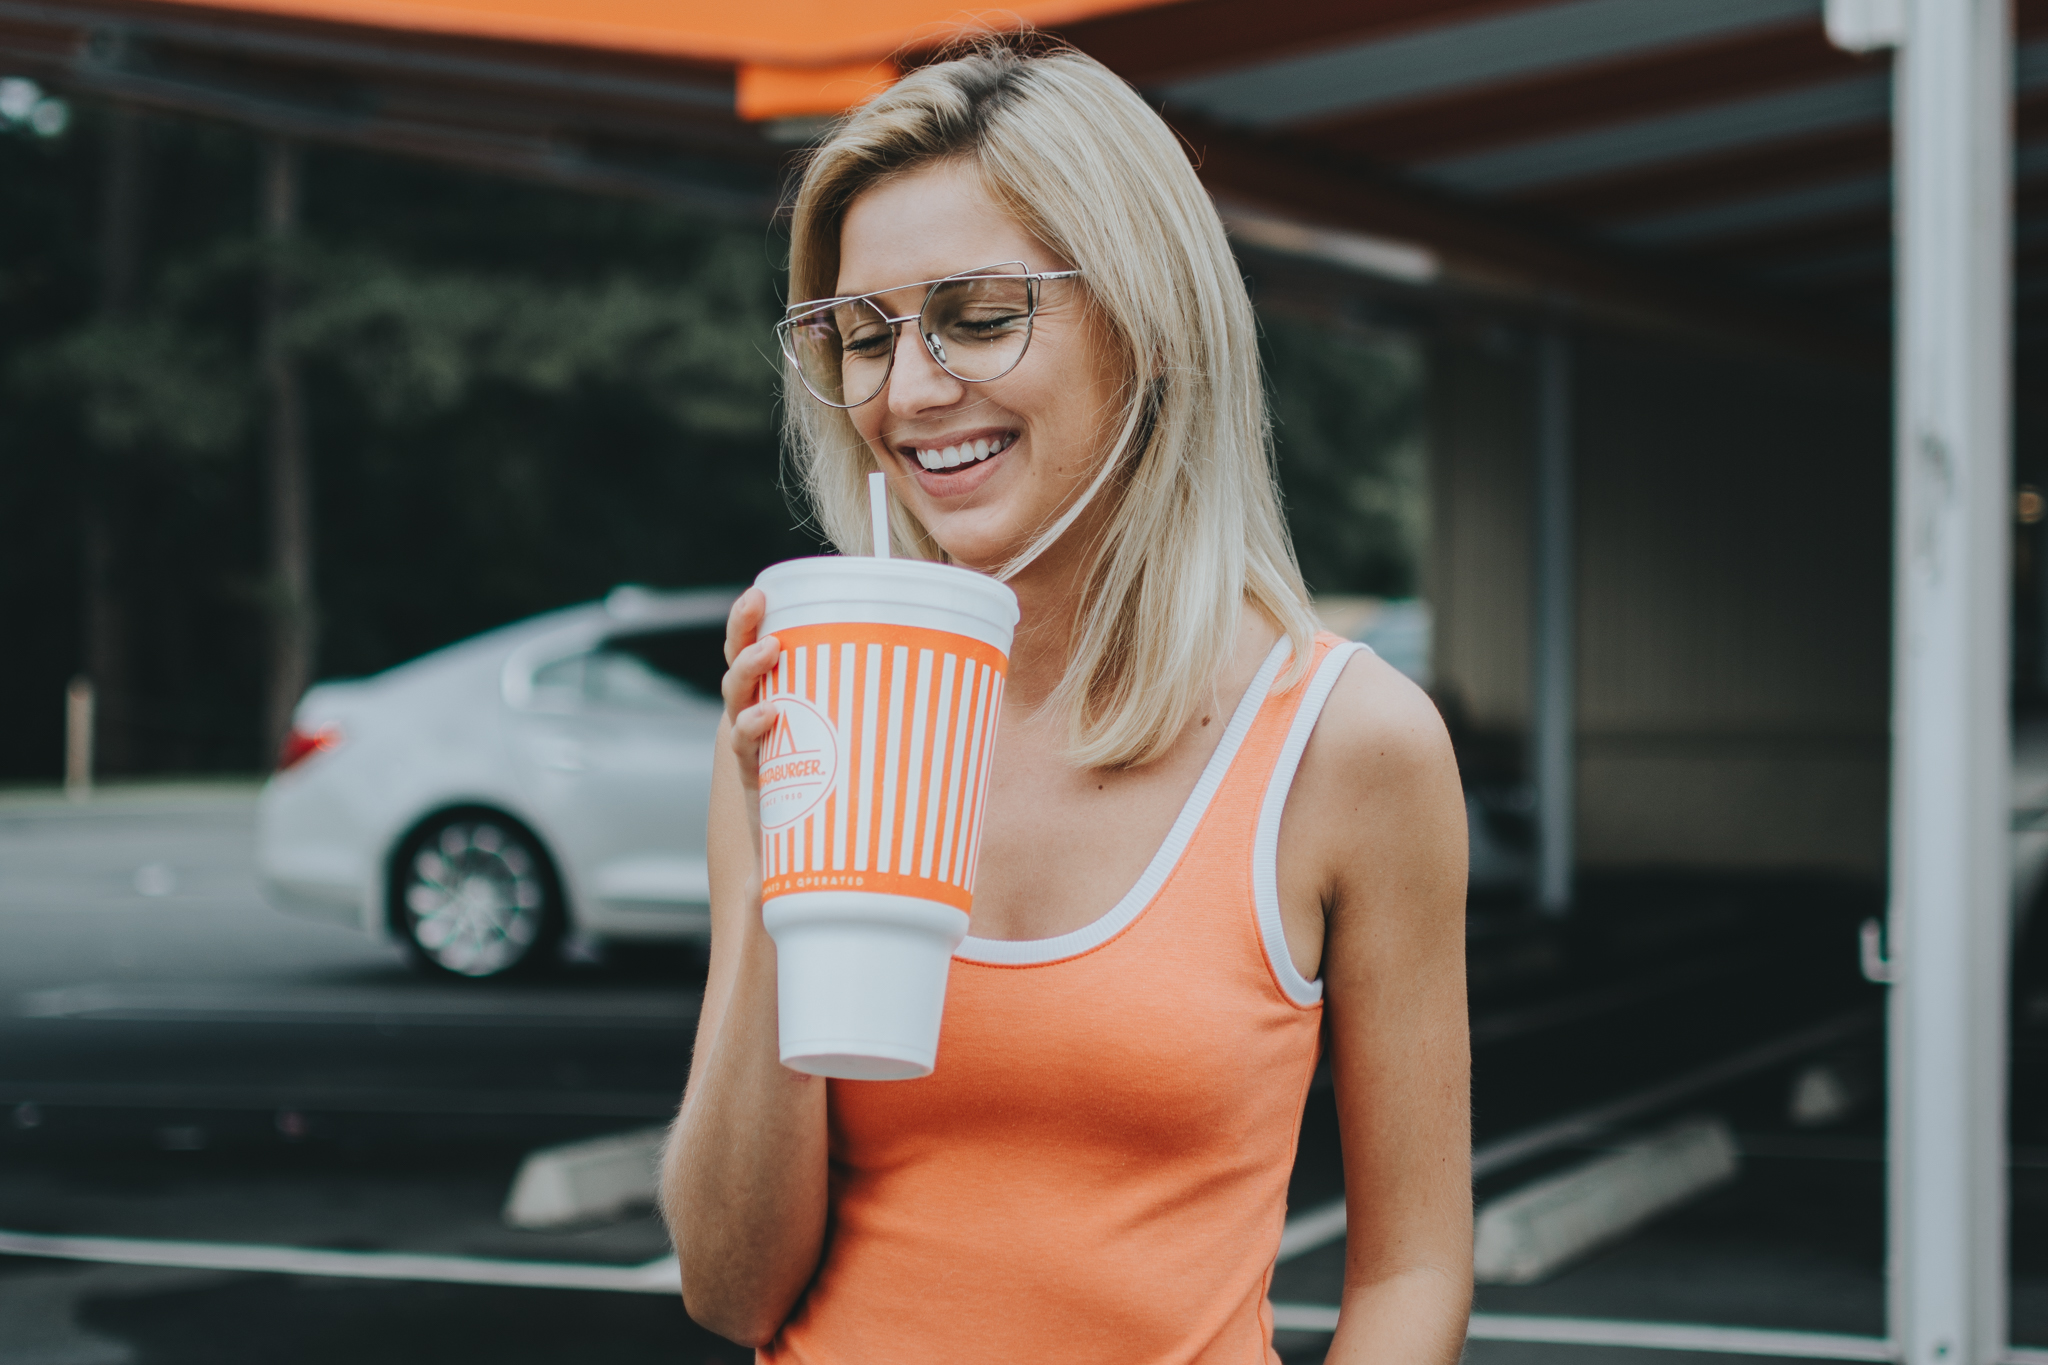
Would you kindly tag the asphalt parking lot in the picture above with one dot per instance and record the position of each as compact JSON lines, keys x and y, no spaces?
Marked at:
{"x":179,"y":1064}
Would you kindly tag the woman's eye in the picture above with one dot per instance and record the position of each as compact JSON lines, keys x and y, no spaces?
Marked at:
{"x":866,"y":344}
{"x":994,"y":325}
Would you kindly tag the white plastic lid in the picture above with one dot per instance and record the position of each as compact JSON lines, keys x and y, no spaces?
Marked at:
{"x":905,"y":592}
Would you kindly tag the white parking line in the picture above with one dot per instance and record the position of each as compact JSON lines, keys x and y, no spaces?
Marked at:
{"x":1656,"y":1336}
{"x":661,"y":1277}
{"x":338,"y":1099}
{"x":1324,"y":1223}
{"x":1678,"y":1336}
{"x":655,"y":1277}
{"x":1312,"y":1229}
{"x":186,"y":1002}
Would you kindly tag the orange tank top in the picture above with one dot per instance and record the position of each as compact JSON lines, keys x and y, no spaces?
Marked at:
{"x":1096,"y":1169}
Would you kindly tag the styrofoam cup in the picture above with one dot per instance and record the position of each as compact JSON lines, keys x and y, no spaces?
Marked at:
{"x":872,"y":785}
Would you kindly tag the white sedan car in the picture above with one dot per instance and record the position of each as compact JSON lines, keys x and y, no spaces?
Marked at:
{"x":482,"y":802}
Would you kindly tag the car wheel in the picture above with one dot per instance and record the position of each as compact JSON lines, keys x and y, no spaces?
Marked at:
{"x":476,"y":896}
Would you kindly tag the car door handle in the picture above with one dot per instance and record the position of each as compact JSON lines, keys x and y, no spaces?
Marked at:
{"x":569,"y":759}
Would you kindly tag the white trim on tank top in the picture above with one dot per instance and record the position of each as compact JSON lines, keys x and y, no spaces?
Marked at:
{"x":1031,"y":952}
{"x":1266,"y":844}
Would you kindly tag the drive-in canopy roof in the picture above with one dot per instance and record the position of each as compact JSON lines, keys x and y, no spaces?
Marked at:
{"x":1716,"y":161}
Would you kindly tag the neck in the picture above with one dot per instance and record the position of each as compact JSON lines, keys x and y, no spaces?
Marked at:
{"x":1049,"y":594}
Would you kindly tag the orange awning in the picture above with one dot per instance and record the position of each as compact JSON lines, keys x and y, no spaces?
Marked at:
{"x":792,"y":57}
{"x":773,"y":33}
{"x":765,"y":92}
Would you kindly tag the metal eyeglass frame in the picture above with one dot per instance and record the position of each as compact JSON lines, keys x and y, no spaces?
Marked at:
{"x":800,"y":312}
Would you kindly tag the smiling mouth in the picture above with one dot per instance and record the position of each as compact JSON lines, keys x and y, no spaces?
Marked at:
{"x":939,"y":459}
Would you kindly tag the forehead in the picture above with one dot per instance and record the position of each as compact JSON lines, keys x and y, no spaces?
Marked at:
{"x":935,"y":221}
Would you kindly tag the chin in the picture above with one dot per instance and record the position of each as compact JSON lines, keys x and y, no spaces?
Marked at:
{"x":969,"y":541}
{"x":980,"y":563}
{"x":976,"y":553}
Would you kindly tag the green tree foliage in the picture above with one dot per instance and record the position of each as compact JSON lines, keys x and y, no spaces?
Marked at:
{"x":1347,"y":421}
{"x":519,"y":398}
{"x":418,"y":341}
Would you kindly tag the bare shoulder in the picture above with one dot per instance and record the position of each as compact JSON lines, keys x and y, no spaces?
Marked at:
{"x":1378,"y":734}
{"x":1377,"y":795}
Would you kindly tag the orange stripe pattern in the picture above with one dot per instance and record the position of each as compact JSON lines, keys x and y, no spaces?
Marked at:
{"x":874,"y":775}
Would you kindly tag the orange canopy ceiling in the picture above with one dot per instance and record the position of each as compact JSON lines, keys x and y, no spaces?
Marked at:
{"x":774,"y":33}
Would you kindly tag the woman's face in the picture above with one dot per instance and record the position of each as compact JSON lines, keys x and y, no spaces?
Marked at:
{"x":1047,"y":423}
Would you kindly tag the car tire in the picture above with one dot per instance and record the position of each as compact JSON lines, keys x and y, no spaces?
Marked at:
{"x":474,"y":895}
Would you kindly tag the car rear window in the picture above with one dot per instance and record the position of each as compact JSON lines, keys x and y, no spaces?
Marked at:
{"x":693,"y":656}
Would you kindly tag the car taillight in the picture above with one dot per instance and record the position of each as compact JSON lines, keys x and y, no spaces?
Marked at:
{"x":300,"y":745}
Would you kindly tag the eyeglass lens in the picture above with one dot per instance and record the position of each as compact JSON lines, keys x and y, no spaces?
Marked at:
{"x":975,"y":328}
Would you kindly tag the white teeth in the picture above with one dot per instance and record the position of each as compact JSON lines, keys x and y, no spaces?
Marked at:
{"x":952,"y":457}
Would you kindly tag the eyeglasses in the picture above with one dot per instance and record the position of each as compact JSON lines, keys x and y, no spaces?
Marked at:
{"x":975,"y":325}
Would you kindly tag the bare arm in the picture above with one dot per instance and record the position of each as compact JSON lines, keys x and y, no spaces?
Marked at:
{"x":744,"y":1176}
{"x":1381,"y":863}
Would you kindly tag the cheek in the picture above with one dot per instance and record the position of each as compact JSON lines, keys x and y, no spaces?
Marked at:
{"x":1081,"y":422}
{"x":867,"y":424}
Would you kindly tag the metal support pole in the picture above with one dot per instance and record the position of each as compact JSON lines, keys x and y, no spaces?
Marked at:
{"x":293,"y":614}
{"x":1951,"y":727}
{"x":107,"y":474}
{"x":1553,"y":700}
{"x":78,"y":708}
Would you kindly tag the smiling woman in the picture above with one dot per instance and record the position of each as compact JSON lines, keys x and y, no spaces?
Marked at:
{"x":937,"y":178}
{"x":1213,"y":841}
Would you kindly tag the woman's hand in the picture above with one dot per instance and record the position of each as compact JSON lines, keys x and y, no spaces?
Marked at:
{"x":749,"y":659}
{"x":744,"y":1177}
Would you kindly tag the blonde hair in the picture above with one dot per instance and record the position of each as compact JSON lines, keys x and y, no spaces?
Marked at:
{"x":1194,"y":530}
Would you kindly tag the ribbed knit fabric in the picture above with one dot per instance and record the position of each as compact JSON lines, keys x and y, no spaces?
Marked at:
{"x":1097,"y":1168}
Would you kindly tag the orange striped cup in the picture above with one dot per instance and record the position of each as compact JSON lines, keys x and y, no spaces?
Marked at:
{"x":889,"y":684}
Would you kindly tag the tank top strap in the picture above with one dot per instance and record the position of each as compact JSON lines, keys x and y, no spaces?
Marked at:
{"x":1281,"y":734}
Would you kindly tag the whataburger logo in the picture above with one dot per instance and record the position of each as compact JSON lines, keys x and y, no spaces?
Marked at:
{"x":799,"y":760}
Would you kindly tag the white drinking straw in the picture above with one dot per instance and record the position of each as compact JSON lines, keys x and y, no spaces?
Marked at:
{"x":878,"y":512}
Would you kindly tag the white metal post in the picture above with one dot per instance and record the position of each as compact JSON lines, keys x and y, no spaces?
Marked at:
{"x":1951,"y":755}
{"x":1554,"y":701}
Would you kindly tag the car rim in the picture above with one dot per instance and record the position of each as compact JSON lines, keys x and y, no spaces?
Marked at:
{"x":475,"y":899}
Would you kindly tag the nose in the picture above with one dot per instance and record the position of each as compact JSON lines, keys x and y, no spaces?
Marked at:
{"x":917,"y":383}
